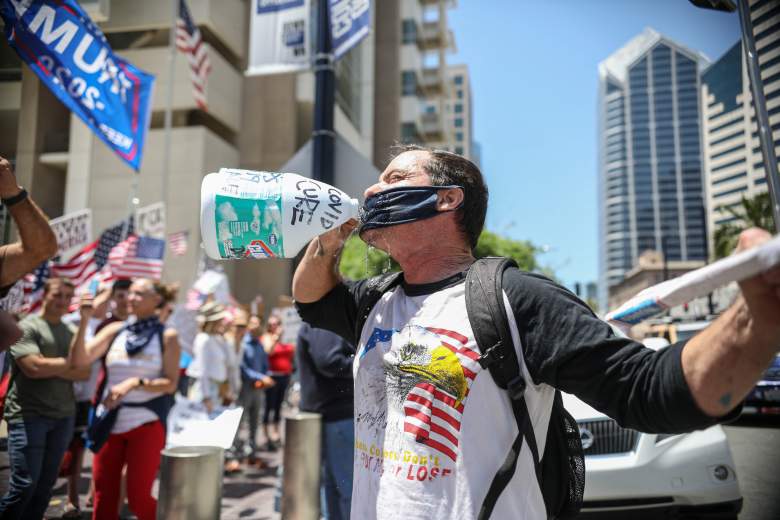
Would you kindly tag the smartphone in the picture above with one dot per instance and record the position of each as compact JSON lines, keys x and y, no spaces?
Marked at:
{"x":93,"y":286}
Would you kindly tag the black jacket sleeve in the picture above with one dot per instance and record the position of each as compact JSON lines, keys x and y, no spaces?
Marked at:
{"x":330,"y":354}
{"x":336,"y":311}
{"x":566,"y":346}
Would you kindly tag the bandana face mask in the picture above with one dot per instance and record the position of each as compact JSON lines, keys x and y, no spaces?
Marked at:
{"x":400,"y":206}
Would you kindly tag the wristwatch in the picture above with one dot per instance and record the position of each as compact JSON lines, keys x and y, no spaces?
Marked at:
{"x":16,"y":199}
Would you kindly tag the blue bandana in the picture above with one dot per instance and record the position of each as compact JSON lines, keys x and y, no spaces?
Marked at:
{"x":399,"y":206}
{"x":140,"y":333}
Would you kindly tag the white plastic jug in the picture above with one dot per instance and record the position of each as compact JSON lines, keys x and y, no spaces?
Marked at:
{"x":250,"y":214}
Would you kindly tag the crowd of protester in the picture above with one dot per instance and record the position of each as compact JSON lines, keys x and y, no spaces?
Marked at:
{"x":98,"y":370}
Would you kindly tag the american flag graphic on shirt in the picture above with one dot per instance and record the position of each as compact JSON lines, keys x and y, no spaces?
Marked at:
{"x":434,"y":369}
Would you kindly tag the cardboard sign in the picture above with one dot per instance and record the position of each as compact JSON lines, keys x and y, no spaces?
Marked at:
{"x":150,"y":221}
{"x":73,"y":232}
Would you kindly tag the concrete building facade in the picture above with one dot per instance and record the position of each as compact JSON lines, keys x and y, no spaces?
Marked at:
{"x":734,"y":166}
{"x":651,"y":180}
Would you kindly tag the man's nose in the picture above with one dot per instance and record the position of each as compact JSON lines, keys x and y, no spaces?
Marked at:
{"x":373,"y":190}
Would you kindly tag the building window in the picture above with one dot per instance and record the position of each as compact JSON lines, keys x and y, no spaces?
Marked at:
{"x":409,"y":31}
{"x":430,"y":109}
{"x":459,"y":150}
{"x":459,"y":80}
{"x":460,"y":94}
{"x":408,"y":83}
{"x":459,"y":136}
{"x":458,"y":108}
{"x":458,"y":122}
{"x":409,"y":133}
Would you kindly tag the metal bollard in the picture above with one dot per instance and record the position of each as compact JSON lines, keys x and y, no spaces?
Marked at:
{"x":190,"y":483}
{"x":302,"y":465}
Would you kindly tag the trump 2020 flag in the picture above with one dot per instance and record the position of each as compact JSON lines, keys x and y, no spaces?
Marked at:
{"x":279,"y":36}
{"x":70,"y":55}
{"x":349,"y":23}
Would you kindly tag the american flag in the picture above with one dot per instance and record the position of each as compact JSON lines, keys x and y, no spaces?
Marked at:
{"x":79,"y":269}
{"x":137,"y":257}
{"x":189,"y":41}
{"x":431,"y":415}
{"x":178,"y":242}
{"x":33,"y":287}
{"x":89,"y":261}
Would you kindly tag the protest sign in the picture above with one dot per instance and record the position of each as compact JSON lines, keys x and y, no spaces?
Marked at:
{"x":150,"y":221}
{"x":73,"y":232}
{"x":189,"y":424}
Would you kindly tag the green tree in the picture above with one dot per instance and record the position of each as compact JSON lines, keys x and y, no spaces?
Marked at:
{"x":361,"y":261}
{"x":753,"y":212}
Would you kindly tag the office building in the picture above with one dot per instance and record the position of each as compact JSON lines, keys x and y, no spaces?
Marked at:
{"x":650,"y":178}
{"x":733,"y":161}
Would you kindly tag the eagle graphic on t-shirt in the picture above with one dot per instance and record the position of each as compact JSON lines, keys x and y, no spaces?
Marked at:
{"x":434,"y":369}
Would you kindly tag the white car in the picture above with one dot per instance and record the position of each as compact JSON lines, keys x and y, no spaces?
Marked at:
{"x":692,"y":473}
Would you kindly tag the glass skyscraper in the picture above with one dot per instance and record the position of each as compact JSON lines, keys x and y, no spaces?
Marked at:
{"x":651,"y":182}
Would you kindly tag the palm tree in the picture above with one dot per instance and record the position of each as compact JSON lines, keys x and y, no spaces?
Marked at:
{"x":753,"y":212}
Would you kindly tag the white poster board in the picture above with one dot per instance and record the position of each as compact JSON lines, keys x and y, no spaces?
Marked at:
{"x":279,"y":36}
{"x":150,"y":221}
{"x":291,"y":323}
{"x":73,"y":231}
{"x":189,"y":424}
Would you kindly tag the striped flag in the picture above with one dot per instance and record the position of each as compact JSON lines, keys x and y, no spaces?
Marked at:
{"x":137,"y":257}
{"x":33,"y":287}
{"x":178,"y":242}
{"x":90,"y":260}
{"x":433,"y":416}
{"x":189,"y":41}
{"x":79,"y":269}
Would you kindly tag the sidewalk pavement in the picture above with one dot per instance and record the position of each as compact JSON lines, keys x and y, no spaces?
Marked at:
{"x":248,"y":495}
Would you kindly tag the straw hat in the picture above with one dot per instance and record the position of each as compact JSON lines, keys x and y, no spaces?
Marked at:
{"x":212,"y":311}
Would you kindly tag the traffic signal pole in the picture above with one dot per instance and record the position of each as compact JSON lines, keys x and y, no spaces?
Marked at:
{"x":323,"y":136}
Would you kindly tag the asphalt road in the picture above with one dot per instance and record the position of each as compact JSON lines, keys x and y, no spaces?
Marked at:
{"x":755,"y":445}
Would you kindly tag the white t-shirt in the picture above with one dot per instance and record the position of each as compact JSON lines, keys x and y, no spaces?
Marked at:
{"x":431,"y":426}
{"x":146,"y":364}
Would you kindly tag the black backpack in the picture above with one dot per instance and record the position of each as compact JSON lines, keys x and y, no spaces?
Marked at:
{"x":561,"y":470}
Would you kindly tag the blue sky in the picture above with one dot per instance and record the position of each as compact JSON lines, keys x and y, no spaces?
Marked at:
{"x":534,"y":77}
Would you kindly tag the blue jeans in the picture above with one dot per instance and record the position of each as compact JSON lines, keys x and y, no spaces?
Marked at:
{"x":35,"y":449}
{"x":338,"y":451}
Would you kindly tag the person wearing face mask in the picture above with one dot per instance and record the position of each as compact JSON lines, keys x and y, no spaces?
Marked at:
{"x":141,"y":369}
{"x":424,"y":388}
{"x":40,"y":404}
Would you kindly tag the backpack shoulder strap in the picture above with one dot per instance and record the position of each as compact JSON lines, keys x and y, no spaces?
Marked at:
{"x":490,"y":324}
{"x":375,"y":288}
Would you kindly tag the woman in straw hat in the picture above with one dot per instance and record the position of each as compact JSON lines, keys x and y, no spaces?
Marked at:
{"x":209,"y":368}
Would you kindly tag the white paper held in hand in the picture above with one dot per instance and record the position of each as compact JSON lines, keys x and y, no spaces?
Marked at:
{"x":695,"y":284}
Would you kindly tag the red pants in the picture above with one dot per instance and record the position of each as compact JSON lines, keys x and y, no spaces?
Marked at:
{"x":140,"y":450}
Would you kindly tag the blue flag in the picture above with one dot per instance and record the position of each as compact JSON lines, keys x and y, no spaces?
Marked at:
{"x":71,"y":56}
{"x":349,"y":23}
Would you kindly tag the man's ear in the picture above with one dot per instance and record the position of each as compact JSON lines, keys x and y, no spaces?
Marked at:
{"x":450,"y":199}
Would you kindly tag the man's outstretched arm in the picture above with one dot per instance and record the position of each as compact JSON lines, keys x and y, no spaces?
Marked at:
{"x":37,"y":240}
{"x":723,"y":362}
{"x":316,"y":274}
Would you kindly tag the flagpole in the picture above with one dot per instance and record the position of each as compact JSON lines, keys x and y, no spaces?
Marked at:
{"x":169,"y":106}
